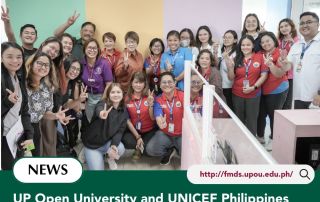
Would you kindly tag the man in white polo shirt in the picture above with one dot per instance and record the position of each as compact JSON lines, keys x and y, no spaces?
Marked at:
{"x":305,"y":58}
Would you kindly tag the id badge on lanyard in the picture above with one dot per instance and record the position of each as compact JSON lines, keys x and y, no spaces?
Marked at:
{"x":246,"y":83}
{"x":171,"y":124}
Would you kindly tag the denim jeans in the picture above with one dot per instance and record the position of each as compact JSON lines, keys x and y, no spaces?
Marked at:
{"x":160,"y":143}
{"x":95,"y":158}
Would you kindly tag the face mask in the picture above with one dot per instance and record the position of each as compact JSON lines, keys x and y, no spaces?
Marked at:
{"x":185,"y":43}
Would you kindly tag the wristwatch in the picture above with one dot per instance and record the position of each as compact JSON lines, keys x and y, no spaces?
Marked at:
{"x":255,"y":87}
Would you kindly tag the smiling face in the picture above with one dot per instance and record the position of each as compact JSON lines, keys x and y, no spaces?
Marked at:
{"x":285,"y":28}
{"x":131,"y":44}
{"x":204,"y":36}
{"x":267,"y":43}
{"x":87,"y":32}
{"x":74,"y":70}
{"x":173,"y":42}
{"x":138,"y":85}
{"x":92,"y":50}
{"x":41,"y":66}
{"x":28,"y":36}
{"x":116,"y":95}
{"x":204,"y":60}
{"x":251,"y":24}
{"x":52,"y":49}
{"x":156,"y":48}
{"x":167,"y":84}
{"x":12,"y":59}
{"x":308,"y":26}
{"x":246,"y":46}
{"x":228,"y":39}
{"x":109,"y":43}
{"x":196,"y":84}
{"x":67,"y":45}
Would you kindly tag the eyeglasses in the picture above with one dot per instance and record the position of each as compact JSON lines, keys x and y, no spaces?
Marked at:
{"x":170,"y":83}
{"x":196,"y":83}
{"x":42,"y":64}
{"x":92,"y":48}
{"x":75,"y":69}
{"x":308,"y":23}
{"x":131,"y":42}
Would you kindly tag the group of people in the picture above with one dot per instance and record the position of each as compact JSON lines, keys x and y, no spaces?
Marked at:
{"x":127,"y":102}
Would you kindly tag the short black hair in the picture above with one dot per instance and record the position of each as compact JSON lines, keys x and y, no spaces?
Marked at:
{"x":26,"y":26}
{"x":89,"y":23}
{"x":314,"y":15}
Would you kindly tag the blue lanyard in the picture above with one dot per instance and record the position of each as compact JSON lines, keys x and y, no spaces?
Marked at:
{"x":173,"y":59}
{"x":247,"y":65}
{"x":304,"y":49}
{"x":171,"y":109}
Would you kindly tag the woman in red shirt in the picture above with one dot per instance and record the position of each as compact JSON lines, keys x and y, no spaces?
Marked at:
{"x":139,"y":103}
{"x":249,"y":72}
{"x":275,"y":88}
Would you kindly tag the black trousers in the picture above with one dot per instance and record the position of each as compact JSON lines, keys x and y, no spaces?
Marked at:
{"x":288,"y":103}
{"x":130,"y":142}
{"x":247,"y":109}
{"x":36,"y":139}
{"x":227,"y":92}
{"x":268,"y":104}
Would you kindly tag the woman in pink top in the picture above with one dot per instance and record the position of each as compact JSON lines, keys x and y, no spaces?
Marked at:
{"x":287,"y":36}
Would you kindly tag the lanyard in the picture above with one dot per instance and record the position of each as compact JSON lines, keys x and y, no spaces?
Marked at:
{"x":171,"y":109}
{"x":113,"y":58}
{"x":283,"y":45}
{"x":304,"y":49}
{"x":156,"y":67}
{"x":247,"y":65}
{"x":173,"y":59}
{"x":138,"y":107}
{"x":90,"y":79}
{"x":207,"y":74}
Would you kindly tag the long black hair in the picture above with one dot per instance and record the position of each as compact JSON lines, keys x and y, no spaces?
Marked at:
{"x":205,"y":27}
{"x":234,"y":45}
{"x":240,"y":56}
{"x":21,"y":73}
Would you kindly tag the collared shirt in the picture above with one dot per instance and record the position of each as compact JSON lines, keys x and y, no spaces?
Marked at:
{"x":155,"y":75}
{"x":273,"y":84}
{"x":123,"y":76}
{"x":39,"y":101}
{"x":97,"y":77}
{"x":256,"y":68}
{"x":147,"y":124}
{"x":161,"y":107}
{"x":77,"y":49}
{"x":112,"y":59}
{"x":306,"y":82}
{"x":287,"y":46}
{"x":177,"y":61}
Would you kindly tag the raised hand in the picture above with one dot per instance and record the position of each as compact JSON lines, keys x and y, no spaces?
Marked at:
{"x":67,"y":119}
{"x":215,"y":46}
{"x":104,"y":113}
{"x":126,"y":61}
{"x":162,"y":121}
{"x":5,"y":14}
{"x":150,"y":98}
{"x":73,"y":18}
{"x":268,"y":60}
{"x":61,"y":116}
{"x":83,"y":93}
{"x":13,"y":96}
{"x":282,"y":60}
{"x":262,"y":27}
{"x":168,"y":66}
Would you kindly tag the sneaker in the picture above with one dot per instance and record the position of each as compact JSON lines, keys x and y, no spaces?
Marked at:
{"x":261,"y":140}
{"x":268,"y":147}
{"x":112,"y":164}
{"x":136,"y":155}
{"x":165,"y":160}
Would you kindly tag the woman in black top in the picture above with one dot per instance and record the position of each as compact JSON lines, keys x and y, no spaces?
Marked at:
{"x":103,"y":135}
{"x":14,"y":105}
